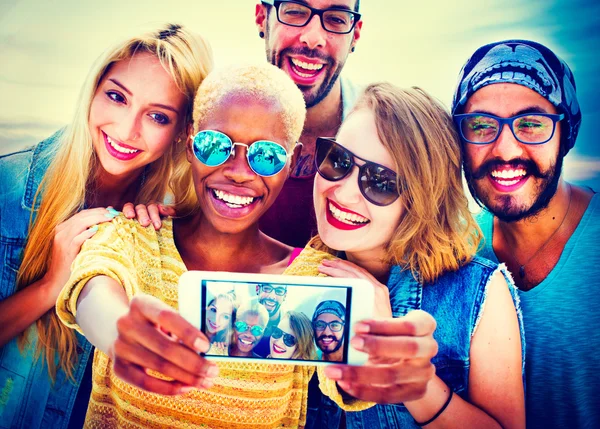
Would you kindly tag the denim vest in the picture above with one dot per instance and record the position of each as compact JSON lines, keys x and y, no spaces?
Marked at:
{"x":455,"y":301}
{"x":28,"y":399}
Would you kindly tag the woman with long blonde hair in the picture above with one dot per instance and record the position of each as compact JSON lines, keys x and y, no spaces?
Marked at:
{"x":390,"y":205}
{"x":128,"y":128}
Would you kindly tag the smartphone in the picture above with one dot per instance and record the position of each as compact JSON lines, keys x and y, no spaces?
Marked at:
{"x":275,"y":318}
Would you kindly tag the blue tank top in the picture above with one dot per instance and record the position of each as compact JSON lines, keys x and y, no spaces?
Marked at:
{"x":562,"y":325}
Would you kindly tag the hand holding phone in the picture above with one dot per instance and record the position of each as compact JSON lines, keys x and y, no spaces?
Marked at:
{"x":399,"y":365}
{"x":153,"y":336}
{"x":276,"y":319}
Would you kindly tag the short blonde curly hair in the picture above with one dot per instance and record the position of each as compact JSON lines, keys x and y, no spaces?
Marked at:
{"x":260,"y":81}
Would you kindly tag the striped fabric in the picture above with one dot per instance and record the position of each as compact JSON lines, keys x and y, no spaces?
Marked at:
{"x":245,"y":395}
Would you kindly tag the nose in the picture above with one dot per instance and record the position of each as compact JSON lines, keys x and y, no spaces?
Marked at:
{"x":506,"y":146}
{"x":128,"y":128}
{"x":313,"y":33}
{"x":236,"y":168}
{"x":347,"y":191}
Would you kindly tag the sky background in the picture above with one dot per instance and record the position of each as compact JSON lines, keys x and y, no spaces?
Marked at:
{"x":48,"y":46}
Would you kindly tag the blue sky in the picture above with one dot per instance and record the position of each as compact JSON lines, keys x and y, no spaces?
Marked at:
{"x":47,"y":47}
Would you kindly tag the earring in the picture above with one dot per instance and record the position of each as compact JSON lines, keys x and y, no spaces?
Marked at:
{"x":352,"y":50}
{"x":261,"y":34}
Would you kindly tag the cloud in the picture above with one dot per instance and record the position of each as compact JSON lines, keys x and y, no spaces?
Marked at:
{"x":21,"y":133}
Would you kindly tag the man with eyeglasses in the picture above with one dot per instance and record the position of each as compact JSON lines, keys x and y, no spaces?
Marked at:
{"x":328,"y":324}
{"x":310,"y":40}
{"x":271,"y":297}
{"x":517,"y":114}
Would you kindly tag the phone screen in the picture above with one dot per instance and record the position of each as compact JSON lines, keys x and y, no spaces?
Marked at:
{"x":276,"y":320}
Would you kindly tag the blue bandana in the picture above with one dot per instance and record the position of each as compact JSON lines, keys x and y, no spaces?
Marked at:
{"x":330,"y":306}
{"x":525,"y":63}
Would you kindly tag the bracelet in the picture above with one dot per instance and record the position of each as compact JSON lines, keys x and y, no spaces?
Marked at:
{"x":439,"y":412}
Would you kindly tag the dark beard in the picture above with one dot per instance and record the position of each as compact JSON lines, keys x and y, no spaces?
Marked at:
{"x":506,"y":211}
{"x":330,"y":78}
{"x":335,"y":349}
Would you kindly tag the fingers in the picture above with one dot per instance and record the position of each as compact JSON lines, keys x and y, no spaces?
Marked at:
{"x":340,"y":269}
{"x":154,"y":214}
{"x":411,"y":371}
{"x":135,"y":375}
{"x":166,"y":210}
{"x":397,"y":347}
{"x":129,"y":211}
{"x":415,"y":323}
{"x":142,"y":215}
{"x":170,"y":321}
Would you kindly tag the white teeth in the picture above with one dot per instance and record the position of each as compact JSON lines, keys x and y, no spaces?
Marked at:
{"x":508,"y":174}
{"x":118,"y":148}
{"x":243,"y":341}
{"x":345,"y":217}
{"x":233,"y":201}
{"x":508,"y":182}
{"x":306,"y":66}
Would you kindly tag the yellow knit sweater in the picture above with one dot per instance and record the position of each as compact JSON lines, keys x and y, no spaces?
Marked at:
{"x":245,"y":395}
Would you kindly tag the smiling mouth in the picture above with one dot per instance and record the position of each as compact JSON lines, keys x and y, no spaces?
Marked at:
{"x":212,"y":325}
{"x":245,"y":342}
{"x":346,"y":217}
{"x":278,"y":349}
{"x":508,"y":177}
{"x":120,"y":147}
{"x":327,"y":341}
{"x":304,"y":69}
{"x":233,"y":201}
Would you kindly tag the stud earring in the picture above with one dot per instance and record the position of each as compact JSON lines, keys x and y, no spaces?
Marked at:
{"x":261,"y":34}
{"x":352,"y":50}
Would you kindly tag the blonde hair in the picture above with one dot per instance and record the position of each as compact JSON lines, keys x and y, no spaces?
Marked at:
{"x":305,"y":336}
{"x":253,"y":308}
{"x":437,"y":233}
{"x":263,"y":82}
{"x":72,"y":172}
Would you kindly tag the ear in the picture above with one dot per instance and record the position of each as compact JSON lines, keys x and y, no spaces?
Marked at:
{"x":189,"y":151}
{"x":356,"y":35}
{"x":260,"y":17}
{"x":295,"y":157}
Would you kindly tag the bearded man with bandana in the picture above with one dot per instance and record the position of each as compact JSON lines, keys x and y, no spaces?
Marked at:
{"x":517,"y":113}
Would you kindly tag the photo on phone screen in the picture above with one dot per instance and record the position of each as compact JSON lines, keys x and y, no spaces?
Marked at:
{"x":276,"y":320}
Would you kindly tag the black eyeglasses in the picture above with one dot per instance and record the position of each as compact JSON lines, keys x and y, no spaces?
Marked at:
{"x":288,"y":339}
{"x":377,"y":183}
{"x":334,"y":326}
{"x":528,"y":128}
{"x":278,"y":290}
{"x":338,"y":21}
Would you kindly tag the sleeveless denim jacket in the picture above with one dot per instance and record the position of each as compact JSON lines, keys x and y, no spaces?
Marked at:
{"x":455,"y":301}
{"x":28,"y":399}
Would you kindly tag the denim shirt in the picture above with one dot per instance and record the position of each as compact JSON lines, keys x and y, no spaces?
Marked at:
{"x":28,"y":399}
{"x":455,"y":301}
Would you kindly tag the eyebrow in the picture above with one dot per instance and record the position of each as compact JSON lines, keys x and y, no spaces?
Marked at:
{"x":528,"y":109}
{"x":333,"y":6}
{"x":162,"y":106}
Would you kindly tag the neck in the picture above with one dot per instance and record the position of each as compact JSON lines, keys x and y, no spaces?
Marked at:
{"x":373,"y":261}
{"x":323,"y":119}
{"x":204,"y":248}
{"x":234,"y":351}
{"x":115,"y":191}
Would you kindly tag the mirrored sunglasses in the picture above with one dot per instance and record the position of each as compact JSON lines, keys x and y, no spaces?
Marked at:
{"x":265,"y":158}
{"x":378,"y":184}
{"x":288,"y":339}
{"x":242,"y":327}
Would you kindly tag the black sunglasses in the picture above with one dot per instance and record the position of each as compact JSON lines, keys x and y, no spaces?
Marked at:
{"x":288,"y":339}
{"x":279,"y":291}
{"x":377,"y":183}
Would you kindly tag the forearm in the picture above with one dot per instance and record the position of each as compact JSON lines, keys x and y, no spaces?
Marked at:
{"x":22,"y":309}
{"x":458,"y":414}
{"x":101,"y":303}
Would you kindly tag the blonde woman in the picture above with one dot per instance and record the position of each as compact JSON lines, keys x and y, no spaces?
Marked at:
{"x":390,"y":204}
{"x":293,"y":338}
{"x":128,"y":128}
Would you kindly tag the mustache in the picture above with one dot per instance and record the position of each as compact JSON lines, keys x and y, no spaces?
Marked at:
{"x":327,"y":336}
{"x":306,"y":52}
{"x":493,"y":164}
